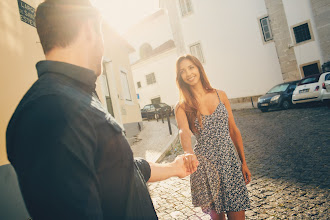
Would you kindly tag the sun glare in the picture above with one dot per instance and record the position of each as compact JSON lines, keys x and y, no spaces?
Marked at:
{"x":121,"y":14}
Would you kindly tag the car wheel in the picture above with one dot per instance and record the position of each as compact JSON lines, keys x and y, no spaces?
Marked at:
{"x":285,"y":104}
{"x":264,"y":109}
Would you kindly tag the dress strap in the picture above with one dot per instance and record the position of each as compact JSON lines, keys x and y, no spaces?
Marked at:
{"x":218,"y":96}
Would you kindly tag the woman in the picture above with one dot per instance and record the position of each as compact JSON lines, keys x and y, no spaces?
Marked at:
{"x":219,"y":184}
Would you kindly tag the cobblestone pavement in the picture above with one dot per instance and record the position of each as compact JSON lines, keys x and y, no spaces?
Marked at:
{"x":288,"y":153}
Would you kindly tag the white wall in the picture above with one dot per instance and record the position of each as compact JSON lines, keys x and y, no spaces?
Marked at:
{"x":299,"y":11}
{"x":163,"y":66}
{"x":153,"y":31}
{"x":237,"y":61}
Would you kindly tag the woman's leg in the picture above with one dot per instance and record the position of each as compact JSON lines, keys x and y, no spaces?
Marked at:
{"x":236,"y":215}
{"x":216,"y":216}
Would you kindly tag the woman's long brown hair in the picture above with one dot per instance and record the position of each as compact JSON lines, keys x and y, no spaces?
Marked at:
{"x":187,"y":100}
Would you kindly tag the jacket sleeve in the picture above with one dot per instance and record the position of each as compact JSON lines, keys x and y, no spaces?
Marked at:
{"x":52,"y":152}
{"x":144,"y":168}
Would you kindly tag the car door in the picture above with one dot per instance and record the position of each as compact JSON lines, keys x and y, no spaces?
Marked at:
{"x":289,"y":92}
{"x":145,"y":110}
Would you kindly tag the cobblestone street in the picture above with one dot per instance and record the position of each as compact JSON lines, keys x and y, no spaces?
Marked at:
{"x":288,"y":153}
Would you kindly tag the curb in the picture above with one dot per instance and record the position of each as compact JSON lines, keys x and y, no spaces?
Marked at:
{"x":169,"y":145}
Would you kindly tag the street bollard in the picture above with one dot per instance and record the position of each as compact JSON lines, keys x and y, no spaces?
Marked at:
{"x":169,"y":123}
{"x":162,"y":115}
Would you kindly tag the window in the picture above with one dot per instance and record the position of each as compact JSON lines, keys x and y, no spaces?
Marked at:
{"x":151,"y":79}
{"x":327,"y":77}
{"x":292,"y":88}
{"x":185,"y":6}
{"x":124,"y":83}
{"x":310,"y":79}
{"x":265,"y":27}
{"x":155,"y":101}
{"x":138,"y":84}
{"x":302,"y":32}
{"x":146,"y":108}
{"x":278,"y":88}
{"x":145,"y":50}
{"x":311,"y":69}
{"x":196,"y":50}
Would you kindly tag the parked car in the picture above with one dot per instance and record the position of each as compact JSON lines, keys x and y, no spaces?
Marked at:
{"x":309,"y":89}
{"x":279,"y":96}
{"x":325,"y":92}
{"x":155,"y":110}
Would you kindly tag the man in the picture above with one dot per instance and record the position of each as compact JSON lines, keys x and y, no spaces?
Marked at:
{"x":70,"y":155}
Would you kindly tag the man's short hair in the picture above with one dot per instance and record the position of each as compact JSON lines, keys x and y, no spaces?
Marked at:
{"x":58,"y":22}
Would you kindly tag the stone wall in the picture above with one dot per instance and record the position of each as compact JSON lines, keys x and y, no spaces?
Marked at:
{"x":281,"y":36}
{"x":321,"y":11}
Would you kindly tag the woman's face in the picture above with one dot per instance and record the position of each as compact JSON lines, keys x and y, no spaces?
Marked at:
{"x":189,"y":72}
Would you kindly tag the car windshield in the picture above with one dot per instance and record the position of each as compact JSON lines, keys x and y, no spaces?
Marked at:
{"x":278,"y":88}
{"x":162,"y":105}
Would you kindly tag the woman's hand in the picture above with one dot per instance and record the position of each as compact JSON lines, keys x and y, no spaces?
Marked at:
{"x":246,"y":173}
{"x":191,"y":162}
{"x":186,"y":164}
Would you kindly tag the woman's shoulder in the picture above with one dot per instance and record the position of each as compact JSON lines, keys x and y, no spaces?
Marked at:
{"x":222,"y":95}
{"x":220,"y":92}
{"x":179,"y":105}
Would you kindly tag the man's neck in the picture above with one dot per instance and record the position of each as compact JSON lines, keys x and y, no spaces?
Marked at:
{"x":67,"y":55}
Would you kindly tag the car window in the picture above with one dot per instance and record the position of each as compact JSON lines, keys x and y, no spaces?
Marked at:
{"x":309,"y":80}
{"x":327,"y":77}
{"x":152,"y":108}
{"x":162,"y":105}
{"x":292,"y":87}
{"x":278,"y":88}
{"x":147,"y":107}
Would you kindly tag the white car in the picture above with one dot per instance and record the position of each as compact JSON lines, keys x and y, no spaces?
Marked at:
{"x":308,"y":89}
{"x":325,"y":93}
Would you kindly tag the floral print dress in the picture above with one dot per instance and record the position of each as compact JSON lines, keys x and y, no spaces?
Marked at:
{"x":218,"y":183}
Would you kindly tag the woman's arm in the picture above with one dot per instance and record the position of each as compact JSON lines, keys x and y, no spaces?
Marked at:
{"x":177,"y":168}
{"x":236,"y":136}
{"x":185,"y":136}
{"x":184,"y":131}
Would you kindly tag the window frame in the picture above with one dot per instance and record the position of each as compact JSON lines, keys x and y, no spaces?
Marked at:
{"x":154,"y":80}
{"x":138,"y":84}
{"x":201,"y":51}
{"x":310,"y":31}
{"x":122,"y":72}
{"x":184,"y":11}
{"x":262,"y":29}
{"x":309,"y":63}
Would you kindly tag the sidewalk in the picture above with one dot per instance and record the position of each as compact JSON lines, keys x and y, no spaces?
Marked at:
{"x":154,"y":140}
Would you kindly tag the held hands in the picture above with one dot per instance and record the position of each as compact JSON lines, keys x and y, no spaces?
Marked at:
{"x":186,"y":164}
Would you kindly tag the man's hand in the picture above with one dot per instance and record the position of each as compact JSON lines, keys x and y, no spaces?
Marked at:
{"x":191,"y":162}
{"x":186,"y":164}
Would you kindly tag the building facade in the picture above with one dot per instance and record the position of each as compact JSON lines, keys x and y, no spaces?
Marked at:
{"x":153,"y":61}
{"x":246,"y":47}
